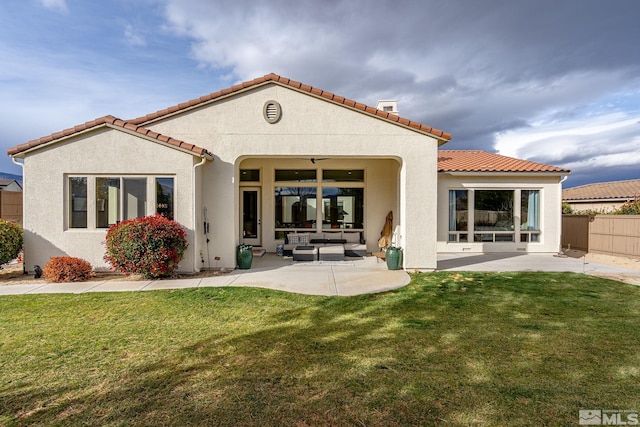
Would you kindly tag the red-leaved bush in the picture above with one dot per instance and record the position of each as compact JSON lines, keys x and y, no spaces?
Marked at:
{"x":152,"y":246}
{"x":67,"y":269}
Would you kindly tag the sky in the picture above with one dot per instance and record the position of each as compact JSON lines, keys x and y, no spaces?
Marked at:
{"x":552,"y":81}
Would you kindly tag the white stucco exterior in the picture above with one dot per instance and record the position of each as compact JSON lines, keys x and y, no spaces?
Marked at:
{"x":399,"y":163}
{"x":397,"y":160}
{"x":550,"y":210}
{"x":102,"y":153}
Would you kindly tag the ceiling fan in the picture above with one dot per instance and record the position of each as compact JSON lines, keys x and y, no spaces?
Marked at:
{"x":317,"y":159}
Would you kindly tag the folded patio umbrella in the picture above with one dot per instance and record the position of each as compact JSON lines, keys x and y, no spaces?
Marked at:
{"x":387,"y":231}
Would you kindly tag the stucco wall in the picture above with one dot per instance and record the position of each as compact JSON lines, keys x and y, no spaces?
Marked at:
{"x":601,"y":207}
{"x":235,"y":129}
{"x":550,"y":211}
{"x":106,"y":152}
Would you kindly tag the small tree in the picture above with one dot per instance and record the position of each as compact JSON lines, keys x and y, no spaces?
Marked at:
{"x":11,"y":239}
{"x":152,"y":246}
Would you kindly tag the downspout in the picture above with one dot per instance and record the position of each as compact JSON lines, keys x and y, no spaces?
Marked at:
{"x":24,"y":261}
{"x":193,"y":198}
{"x":564,"y":178}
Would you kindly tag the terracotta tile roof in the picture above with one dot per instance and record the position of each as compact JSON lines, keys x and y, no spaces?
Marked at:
{"x":444,"y":136}
{"x":482,"y":161}
{"x":112,"y":122}
{"x":134,"y":124}
{"x":621,"y":190}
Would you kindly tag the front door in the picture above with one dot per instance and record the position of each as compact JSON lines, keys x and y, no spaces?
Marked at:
{"x":250,"y":220}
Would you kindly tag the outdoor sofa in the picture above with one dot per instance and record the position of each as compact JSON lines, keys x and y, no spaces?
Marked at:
{"x":351,"y":241}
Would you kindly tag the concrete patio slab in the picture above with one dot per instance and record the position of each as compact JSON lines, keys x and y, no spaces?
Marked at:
{"x":218,"y":281}
{"x":526,"y":262}
{"x":19,"y":289}
{"x":172,"y":284}
{"x":120,"y":286}
{"x":309,"y":280}
{"x":353,"y":276}
{"x":65,"y":288}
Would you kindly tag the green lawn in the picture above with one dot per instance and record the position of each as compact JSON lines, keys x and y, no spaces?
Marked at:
{"x":449,"y":349}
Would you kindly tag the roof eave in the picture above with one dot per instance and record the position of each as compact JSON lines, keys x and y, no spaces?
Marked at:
{"x":519,"y":173}
{"x":599,"y":200}
{"x":21,"y":154}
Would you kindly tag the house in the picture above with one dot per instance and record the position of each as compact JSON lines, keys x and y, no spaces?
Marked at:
{"x":259,"y":160}
{"x":10,"y":185}
{"x":601,"y":196}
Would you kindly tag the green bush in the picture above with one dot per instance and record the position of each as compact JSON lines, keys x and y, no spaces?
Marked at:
{"x":67,"y":269}
{"x":11,"y":239}
{"x":152,"y":246}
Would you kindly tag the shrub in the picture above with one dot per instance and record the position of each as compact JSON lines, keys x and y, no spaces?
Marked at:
{"x":629,"y":208}
{"x":10,"y":241}
{"x":152,"y":246}
{"x":67,"y":269}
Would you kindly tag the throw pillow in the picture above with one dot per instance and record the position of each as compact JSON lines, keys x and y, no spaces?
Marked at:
{"x":293,"y":238}
{"x":304,"y":239}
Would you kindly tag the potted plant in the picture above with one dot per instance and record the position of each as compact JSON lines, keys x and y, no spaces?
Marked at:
{"x":393,"y":256}
{"x":244,"y":256}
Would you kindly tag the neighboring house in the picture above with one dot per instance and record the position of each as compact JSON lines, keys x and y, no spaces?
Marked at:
{"x":267,"y":157}
{"x":10,"y":200}
{"x":10,"y":185}
{"x":602,"y":196}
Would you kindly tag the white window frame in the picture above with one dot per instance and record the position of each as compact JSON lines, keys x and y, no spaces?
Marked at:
{"x":149,"y":207}
{"x":518,"y":232}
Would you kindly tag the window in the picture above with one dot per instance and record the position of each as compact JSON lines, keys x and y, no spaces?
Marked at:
{"x":319,"y":205}
{"x":530,"y":216}
{"x":343,"y":175}
{"x":294,"y":175}
{"x":114,"y":194}
{"x":295,"y":207}
{"x":107,"y":202}
{"x":164,"y":197}
{"x":250,"y":175}
{"x":458,"y":216}
{"x":78,"y":205}
{"x":342,"y":207}
{"x":494,"y":216}
{"x":102,"y":201}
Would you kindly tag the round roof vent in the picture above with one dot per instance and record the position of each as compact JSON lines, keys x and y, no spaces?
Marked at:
{"x":272,"y":111}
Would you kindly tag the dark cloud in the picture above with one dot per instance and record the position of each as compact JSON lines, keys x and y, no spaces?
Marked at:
{"x":520,"y":77}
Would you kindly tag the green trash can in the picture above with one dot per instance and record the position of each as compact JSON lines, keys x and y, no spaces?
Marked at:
{"x":394,"y":258}
{"x":244,"y":256}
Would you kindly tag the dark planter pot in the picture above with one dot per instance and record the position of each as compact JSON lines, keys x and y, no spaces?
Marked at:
{"x":244,"y":256}
{"x":394,"y":258}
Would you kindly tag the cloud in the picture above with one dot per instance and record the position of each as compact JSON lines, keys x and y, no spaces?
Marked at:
{"x":134,"y":37}
{"x":521,"y":78}
{"x":57,"y":5}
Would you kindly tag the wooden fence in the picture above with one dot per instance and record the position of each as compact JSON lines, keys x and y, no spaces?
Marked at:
{"x":617,"y":235}
{"x":11,"y":206}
